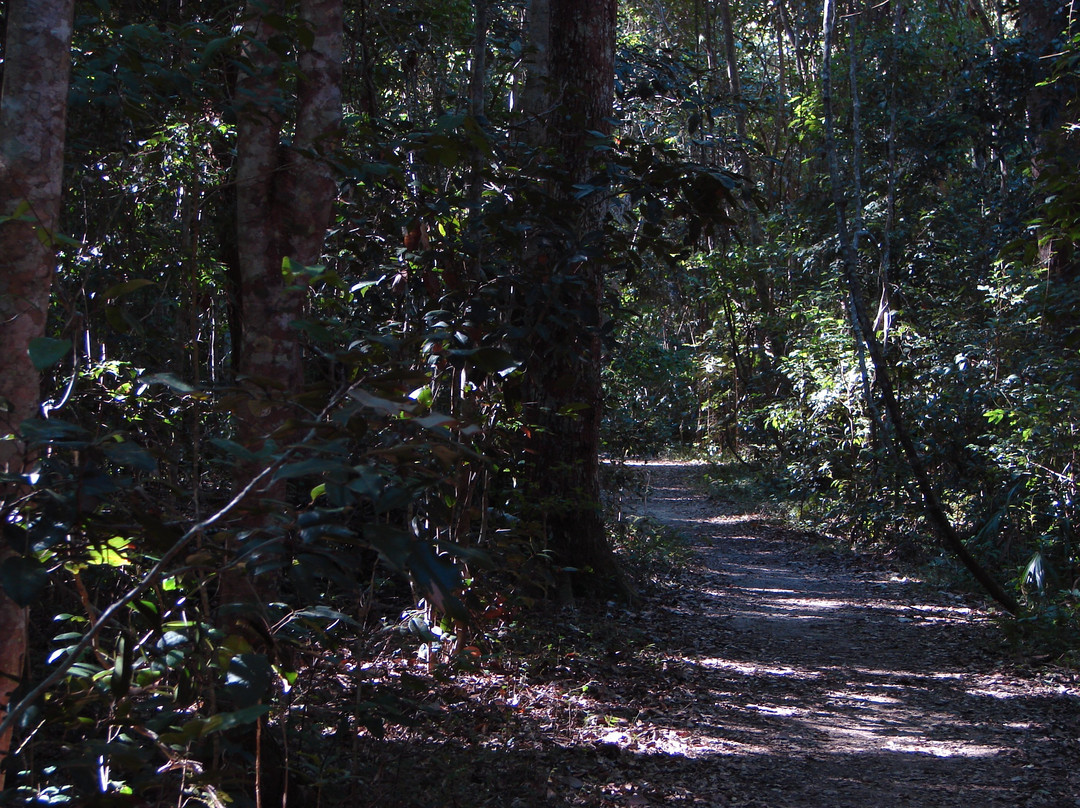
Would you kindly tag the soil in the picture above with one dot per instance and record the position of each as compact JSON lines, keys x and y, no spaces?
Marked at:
{"x":771,"y":671}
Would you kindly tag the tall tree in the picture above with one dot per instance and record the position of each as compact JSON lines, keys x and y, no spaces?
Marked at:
{"x":570,"y":94}
{"x":33,"y":111}
{"x":284,"y":196}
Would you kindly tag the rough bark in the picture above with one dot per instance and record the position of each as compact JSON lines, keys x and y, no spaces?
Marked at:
{"x":1042,"y":23}
{"x":284,"y":201}
{"x":571,"y":89}
{"x":478,"y":74}
{"x":284,"y":198}
{"x":33,"y":110}
{"x":536,"y":96}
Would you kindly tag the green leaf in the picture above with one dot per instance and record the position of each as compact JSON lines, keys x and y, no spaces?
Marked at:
{"x":118,"y":319}
{"x":126,"y":288}
{"x":241,"y":452}
{"x":436,"y":420}
{"x":22,"y":579}
{"x":326,"y":613}
{"x":213,"y":47}
{"x":201,"y":727}
{"x":307,"y":468}
{"x":237,"y":718}
{"x":130,"y":455}
{"x":169,"y":380}
{"x":390,"y":542}
{"x":495,"y":360}
{"x":45,"y":352}
{"x":16,"y":536}
{"x":120,"y":681}
{"x":110,"y":553}
{"x":248,"y":678}
{"x":380,"y":404}
{"x":438,"y":578}
{"x":1035,"y":572}
{"x":54,"y":431}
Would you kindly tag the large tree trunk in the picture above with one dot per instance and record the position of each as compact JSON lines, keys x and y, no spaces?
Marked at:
{"x":33,"y":110}
{"x":1042,"y":25}
{"x":284,"y":198}
{"x":570,"y":93}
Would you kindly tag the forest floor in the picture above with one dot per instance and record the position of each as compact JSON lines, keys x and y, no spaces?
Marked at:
{"x":770,"y":671}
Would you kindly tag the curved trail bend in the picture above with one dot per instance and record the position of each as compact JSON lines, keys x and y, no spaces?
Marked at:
{"x":800,"y":681}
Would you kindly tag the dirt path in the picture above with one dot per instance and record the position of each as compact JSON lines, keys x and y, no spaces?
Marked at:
{"x":805,"y":683}
{"x":767,"y":674}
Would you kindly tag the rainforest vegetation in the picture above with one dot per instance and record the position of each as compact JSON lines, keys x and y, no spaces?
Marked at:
{"x":318,"y":318}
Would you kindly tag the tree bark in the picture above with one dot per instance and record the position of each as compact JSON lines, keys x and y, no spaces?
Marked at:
{"x":284,"y":202}
{"x":284,"y":199}
{"x":33,"y":111}
{"x":571,"y":91}
{"x":1042,"y":24}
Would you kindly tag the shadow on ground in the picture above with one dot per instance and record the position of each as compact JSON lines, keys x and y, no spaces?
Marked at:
{"x":762,"y":677}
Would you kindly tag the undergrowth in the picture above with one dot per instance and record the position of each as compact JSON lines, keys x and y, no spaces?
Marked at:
{"x":756,"y":486}
{"x":652,"y":551}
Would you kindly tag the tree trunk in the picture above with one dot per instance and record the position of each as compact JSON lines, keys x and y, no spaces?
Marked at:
{"x":284,"y":202}
{"x":284,"y":199}
{"x":33,"y":110}
{"x":570,"y":94}
{"x":1042,"y":24}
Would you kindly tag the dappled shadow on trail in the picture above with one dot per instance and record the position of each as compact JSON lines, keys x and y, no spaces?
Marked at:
{"x":768,"y":674}
{"x":840,"y":686}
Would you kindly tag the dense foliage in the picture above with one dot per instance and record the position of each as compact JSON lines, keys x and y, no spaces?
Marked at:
{"x":183,"y":580}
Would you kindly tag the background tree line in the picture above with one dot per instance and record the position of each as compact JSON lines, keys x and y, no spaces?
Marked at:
{"x":344,"y":290}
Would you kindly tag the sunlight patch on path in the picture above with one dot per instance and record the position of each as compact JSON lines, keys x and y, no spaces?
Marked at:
{"x":751,"y":669}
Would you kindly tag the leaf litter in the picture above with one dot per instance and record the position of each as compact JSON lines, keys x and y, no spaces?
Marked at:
{"x":765,"y":671}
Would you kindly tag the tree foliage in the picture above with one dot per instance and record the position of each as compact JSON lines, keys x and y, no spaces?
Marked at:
{"x":446,"y":322}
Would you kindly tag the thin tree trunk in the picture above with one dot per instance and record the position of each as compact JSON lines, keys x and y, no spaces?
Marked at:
{"x":935,"y":513}
{"x":33,"y":112}
{"x":800,"y":60}
{"x":478,"y":102}
{"x":478,"y":77}
{"x":884,"y":315}
{"x":860,"y":227}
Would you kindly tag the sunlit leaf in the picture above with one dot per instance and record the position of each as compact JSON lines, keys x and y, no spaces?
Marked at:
{"x":170,"y":380}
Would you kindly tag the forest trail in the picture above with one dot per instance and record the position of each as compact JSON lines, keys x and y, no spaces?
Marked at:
{"x":771,"y":673}
{"x":808,"y":682}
